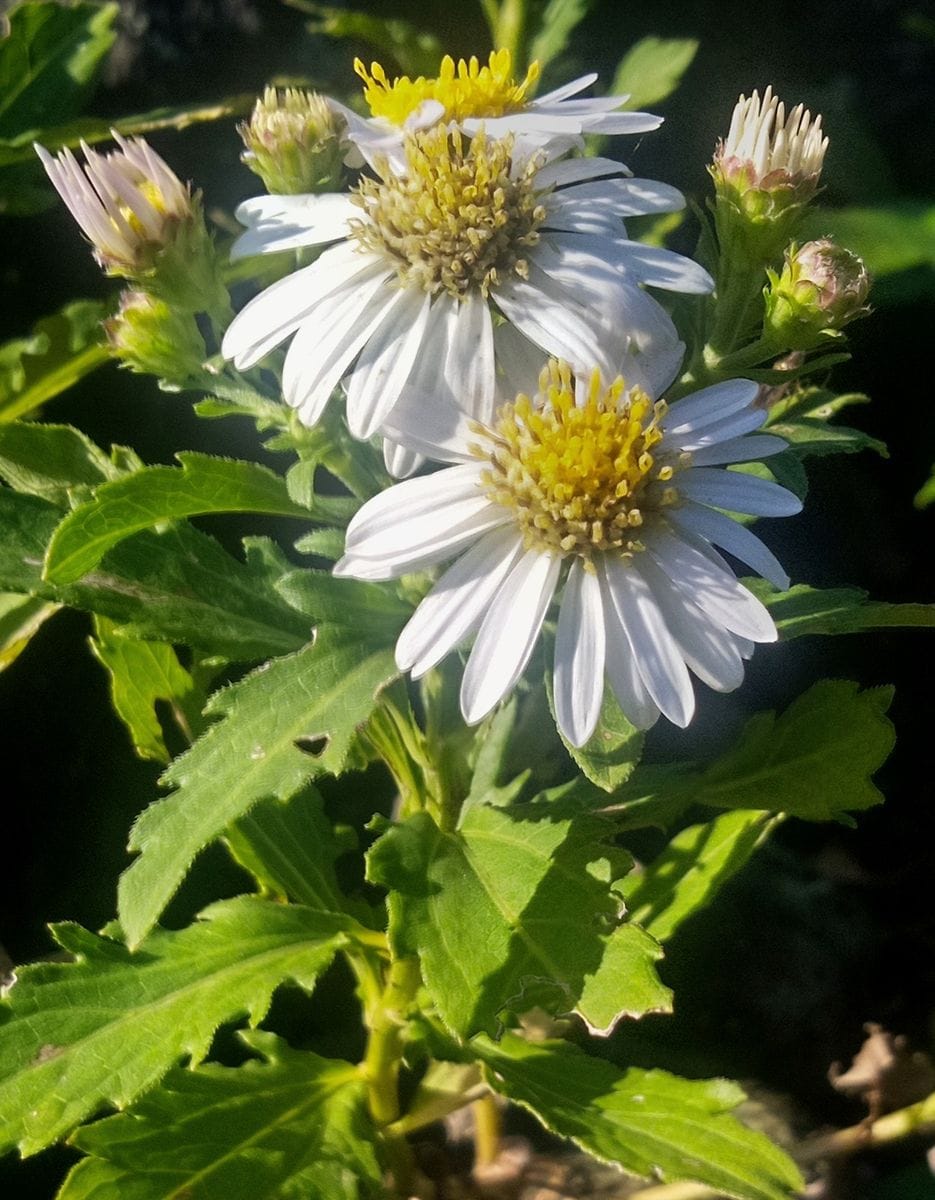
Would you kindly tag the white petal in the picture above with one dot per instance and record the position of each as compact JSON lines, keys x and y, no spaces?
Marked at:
{"x":731,"y":536}
{"x":625,"y":680}
{"x":538,"y":309}
{"x":385,"y":362}
{"x":570,"y":89}
{"x":275,"y":313}
{"x":288,"y":222}
{"x":400,"y":461}
{"x":738,"y":492}
{"x":706,"y":645}
{"x":508,"y":633}
{"x":579,"y":655}
{"x":454,"y":607}
{"x":711,"y":404}
{"x":519,"y":361}
{"x":705,"y":434}
{"x":469,"y":366}
{"x":658,"y":267}
{"x":621,"y":124}
{"x":576,"y":170}
{"x":656,"y":652}
{"x":623,"y":197}
{"x":716,"y":591}
{"x":738,"y":450}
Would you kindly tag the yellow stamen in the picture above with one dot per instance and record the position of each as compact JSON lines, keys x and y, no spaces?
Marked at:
{"x":465,"y":90}
{"x":579,"y":478}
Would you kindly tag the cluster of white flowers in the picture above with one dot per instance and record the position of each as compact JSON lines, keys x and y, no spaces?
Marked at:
{"x":484,"y":308}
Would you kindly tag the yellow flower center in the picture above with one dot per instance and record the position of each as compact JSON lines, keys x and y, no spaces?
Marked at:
{"x":458,"y":218}
{"x":580,"y":479}
{"x":465,"y":90}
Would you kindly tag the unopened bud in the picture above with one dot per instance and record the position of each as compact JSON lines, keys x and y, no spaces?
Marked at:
{"x":294,"y":142}
{"x":769,"y":164}
{"x":142,"y":221}
{"x":822,"y":286}
{"x":152,"y":337}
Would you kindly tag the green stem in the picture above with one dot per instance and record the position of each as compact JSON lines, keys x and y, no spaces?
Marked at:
{"x":511,"y":29}
{"x":486,"y":1130}
{"x":491,"y":13}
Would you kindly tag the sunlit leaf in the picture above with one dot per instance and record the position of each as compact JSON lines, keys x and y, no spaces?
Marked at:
{"x":417,"y":51}
{"x":103,"y":1028}
{"x":61,"y":349}
{"x":889,"y":238}
{"x":806,"y":610}
{"x":555,"y":25}
{"x":653,"y":1124}
{"x":21,"y":618}
{"x":651,"y":70}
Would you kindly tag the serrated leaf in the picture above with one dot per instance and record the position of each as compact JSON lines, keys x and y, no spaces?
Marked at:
{"x":614,"y":749}
{"x":141,"y":675}
{"x":47,"y":60}
{"x":651,"y":1123}
{"x":692,"y":869}
{"x":324,"y":598}
{"x":61,"y":349}
{"x":178,"y":586}
{"x":290,"y":849}
{"x":806,"y":610}
{"x":558,"y":21}
{"x":293,"y":1125}
{"x":50,"y":460}
{"x":315,"y":699}
{"x":416,"y":50}
{"x":21,"y":618}
{"x":75,"y":1036}
{"x":813,"y":762}
{"x":507,"y":913}
{"x":148,"y":497}
{"x":652,"y":69}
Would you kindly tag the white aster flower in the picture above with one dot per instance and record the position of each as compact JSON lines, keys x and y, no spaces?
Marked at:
{"x":473,"y":97}
{"x":130,"y":204}
{"x":596,"y":484}
{"x":423,"y":259}
{"x":765,"y":149}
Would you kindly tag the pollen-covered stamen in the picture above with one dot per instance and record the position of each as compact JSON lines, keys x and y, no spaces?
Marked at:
{"x":459,"y":218}
{"x":580,"y":479}
{"x":464,"y":90}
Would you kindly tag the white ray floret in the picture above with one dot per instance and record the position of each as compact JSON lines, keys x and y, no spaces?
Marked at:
{"x":586,"y":491}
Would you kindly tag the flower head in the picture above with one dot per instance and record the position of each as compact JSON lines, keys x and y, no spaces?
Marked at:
{"x":295,"y":142}
{"x":821,"y":288}
{"x":588,"y":488}
{"x":487,"y":97}
{"x":152,"y":337}
{"x":423,"y":255}
{"x":129,"y":203}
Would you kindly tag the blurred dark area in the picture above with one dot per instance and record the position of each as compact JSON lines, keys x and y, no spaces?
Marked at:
{"x":829,"y":927}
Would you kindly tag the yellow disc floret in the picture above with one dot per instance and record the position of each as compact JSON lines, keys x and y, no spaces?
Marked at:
{"x":580,"y":478}
{"x":466,"y":90}
{"x":459,"y":218}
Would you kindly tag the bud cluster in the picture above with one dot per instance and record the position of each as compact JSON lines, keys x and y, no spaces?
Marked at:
{"x":294,"y":142}
{"x":821,"y":287}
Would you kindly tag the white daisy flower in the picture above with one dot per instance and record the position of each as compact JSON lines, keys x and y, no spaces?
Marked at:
{"x":423,"y":259}
{"x":621,"y":497}
{"x":474,"y":96}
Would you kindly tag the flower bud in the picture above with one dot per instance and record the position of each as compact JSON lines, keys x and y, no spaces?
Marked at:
{"x":820,"y":289}
{"x":294,"y":142}
{"x":768,"y":166}
{"x":151,"y":337}
{"x":142,"y":221}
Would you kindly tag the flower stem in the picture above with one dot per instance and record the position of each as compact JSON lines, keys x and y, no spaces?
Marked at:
{"x":486,"y":1130}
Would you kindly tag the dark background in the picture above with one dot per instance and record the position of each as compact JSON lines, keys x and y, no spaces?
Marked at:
{"x":828,"y":927}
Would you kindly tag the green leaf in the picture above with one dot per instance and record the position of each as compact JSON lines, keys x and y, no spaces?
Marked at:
{"x":926,"y":493}
{"x":353,"y":603}
{"x":613,"y":750}
{"x":813,"y":762}
{"x":294,"y":1125}
{"x":651,"y":1123}
{"x":692,"y":869}
{"x":61,"y":349}
{"x":810,"y":436}
{"x":558,"y":21}
{"x":50,"y":460}
{"x":21,"y":618}
{"x":178,"y":586}
{"x":142,"y":674}
{"x":889,"y":238}
{"x":75,"y":1036}
{"x":291,"y":850}
{"x":156,"y":494}
{"x":806,"y":610}
{"x":292,"y":720}
{"x":47,"y":61}
{"x":507,"y":913}
{"x":417,"y":51}
{"x":652,"y":69}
